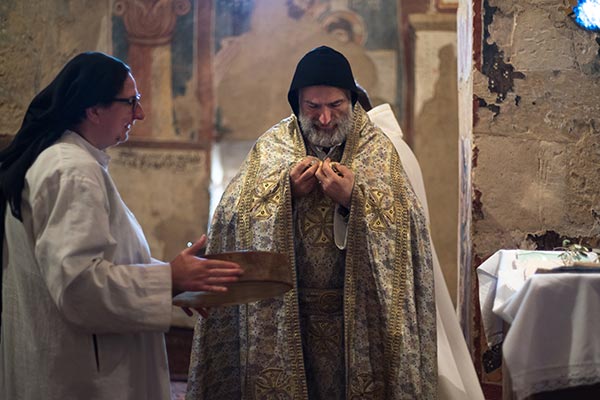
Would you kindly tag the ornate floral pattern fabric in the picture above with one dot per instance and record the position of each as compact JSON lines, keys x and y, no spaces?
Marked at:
{"x":359,"y":323}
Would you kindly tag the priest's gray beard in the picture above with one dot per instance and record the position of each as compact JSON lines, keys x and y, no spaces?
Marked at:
{"x":323,"y":137}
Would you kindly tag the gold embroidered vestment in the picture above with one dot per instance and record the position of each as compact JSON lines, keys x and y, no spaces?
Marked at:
{"x":360,"y":322}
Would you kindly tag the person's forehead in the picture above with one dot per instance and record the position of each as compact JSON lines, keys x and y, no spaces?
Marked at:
{"x":322,"y":93}
{"x":129,"y":87}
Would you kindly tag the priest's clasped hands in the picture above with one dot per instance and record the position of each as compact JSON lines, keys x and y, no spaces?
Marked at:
{"x":336,"y":180}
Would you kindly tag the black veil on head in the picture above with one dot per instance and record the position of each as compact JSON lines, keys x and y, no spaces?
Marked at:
{"x":322,"y":66}
{"x":89,"y":79}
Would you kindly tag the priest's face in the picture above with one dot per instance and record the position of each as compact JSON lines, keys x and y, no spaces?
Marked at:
{"x":325,"y":115}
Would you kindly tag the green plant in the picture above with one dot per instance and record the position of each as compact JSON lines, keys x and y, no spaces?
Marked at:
{"x":573,"y":252}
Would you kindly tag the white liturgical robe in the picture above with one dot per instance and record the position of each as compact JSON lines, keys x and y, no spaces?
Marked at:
{"x":84,"y":305}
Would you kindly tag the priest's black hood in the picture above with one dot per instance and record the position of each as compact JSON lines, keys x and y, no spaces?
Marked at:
{"x":322,"y":66}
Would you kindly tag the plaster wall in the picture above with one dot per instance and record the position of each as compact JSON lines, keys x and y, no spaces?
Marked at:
{"x":435,"y":141}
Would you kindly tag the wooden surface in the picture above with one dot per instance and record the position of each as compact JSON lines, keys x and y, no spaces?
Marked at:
{"x":266,"y":275}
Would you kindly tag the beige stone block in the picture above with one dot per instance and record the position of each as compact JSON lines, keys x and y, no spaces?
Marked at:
{"x":552,"y":105}
{"x":487,"y":243}
{"x":543,"y":39}
{"x":522,"y":184}
{"x":583,"y":186}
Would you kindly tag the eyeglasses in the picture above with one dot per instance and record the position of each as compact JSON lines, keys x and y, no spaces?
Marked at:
{"x":133,"y":101}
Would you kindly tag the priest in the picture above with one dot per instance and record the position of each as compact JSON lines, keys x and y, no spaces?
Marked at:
{"x":325,"y":187}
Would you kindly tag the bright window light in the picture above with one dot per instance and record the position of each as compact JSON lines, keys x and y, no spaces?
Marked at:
{"x":587,"y":14}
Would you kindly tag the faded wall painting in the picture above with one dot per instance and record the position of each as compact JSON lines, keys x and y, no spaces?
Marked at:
{"x":447,"y":4}
{"x":246,"y":51}
{"x":162,"y":171}
{"x":164,"y":45}
{"x":259,"y":42}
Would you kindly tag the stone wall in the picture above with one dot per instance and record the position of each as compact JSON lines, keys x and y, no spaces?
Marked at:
{"x":535,"y":132}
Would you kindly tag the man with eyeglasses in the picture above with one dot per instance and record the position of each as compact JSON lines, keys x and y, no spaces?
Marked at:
{"x":84,"y":305}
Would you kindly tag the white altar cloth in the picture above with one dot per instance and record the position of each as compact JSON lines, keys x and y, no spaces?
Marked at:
{"x":553,"y":341}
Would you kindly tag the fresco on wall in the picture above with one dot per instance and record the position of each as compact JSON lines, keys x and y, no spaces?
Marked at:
{"x":447,"y":4}
{"x":156,"y":38}
{"x":259,"y":42}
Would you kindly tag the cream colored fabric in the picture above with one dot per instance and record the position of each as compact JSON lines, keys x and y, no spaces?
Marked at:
{"x":84,"y":305}
{"x":457,"y":379}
